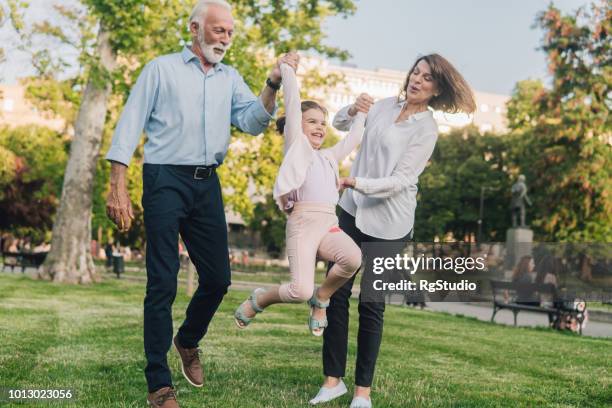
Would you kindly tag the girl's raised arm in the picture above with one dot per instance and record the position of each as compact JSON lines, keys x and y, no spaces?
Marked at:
{"x":345,"y":146}
{"x":293,"y":106}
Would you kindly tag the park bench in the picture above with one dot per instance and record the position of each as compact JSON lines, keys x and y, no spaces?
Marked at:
{"x":506,"y":295}
{"x":22,"y":260}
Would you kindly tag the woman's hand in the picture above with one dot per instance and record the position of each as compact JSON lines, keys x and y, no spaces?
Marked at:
{"x":347,"y":182}
{"x":363,"y":104}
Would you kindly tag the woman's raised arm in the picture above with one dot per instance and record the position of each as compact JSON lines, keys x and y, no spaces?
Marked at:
{"x":406,"y":173}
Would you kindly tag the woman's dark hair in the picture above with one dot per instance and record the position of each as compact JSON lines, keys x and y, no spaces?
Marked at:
{"x":454,"y":93}
{"x":522,"y":268}
{"x":548,"y":264}
{"x":306,"y":105}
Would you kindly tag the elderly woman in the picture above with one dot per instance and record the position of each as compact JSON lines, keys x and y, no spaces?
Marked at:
{"x":379,"y":202}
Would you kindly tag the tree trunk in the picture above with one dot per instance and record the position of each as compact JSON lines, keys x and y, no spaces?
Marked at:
{"x":70,"y":257}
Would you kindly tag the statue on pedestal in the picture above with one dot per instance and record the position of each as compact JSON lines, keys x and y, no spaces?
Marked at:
{"x":519,"y":198}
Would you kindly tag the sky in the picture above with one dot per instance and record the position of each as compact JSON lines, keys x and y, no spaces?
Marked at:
{"x":491,"y":42}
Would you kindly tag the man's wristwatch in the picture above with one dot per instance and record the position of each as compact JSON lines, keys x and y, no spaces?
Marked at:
{"x":272,"y":85}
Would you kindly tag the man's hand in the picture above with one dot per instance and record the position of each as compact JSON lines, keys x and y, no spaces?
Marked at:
{"x":363,"y":104}
{"x":118,"y":204}
{"x":292,"y":59}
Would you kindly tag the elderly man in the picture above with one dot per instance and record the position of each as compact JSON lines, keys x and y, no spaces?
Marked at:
{"x":185,"y":102}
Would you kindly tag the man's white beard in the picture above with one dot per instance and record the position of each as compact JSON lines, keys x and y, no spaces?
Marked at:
{"x":209,"y":49}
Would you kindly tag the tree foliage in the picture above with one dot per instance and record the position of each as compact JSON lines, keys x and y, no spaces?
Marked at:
{"x":63,"y":50}
{"x":566,"y":150}
{"x":31,"y":184}
{"x":520,"y":110}
{"x":463,"y":163}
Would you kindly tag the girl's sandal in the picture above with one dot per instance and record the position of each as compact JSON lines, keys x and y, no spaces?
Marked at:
{"x":317,"y":326}
{"x":241,"y":319}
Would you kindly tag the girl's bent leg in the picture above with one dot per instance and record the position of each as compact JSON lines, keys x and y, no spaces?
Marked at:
{"x":303,"y":237}
{"x":269,"y":297}
{"x":263,"y":300}
{"x":339,"y":248}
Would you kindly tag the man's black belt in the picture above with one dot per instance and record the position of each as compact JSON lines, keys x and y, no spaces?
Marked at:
{"x":198,"y":172}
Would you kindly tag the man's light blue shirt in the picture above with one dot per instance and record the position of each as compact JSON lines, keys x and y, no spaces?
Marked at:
{"x":185,"y":112}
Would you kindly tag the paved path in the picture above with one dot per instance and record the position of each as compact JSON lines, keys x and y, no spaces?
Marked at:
{"x":481,"y":311}
{"x":484,"y":312}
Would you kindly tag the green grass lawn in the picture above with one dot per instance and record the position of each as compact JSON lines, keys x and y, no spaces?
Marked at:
{"x":238,"y":274}
{"x":89,"y":339}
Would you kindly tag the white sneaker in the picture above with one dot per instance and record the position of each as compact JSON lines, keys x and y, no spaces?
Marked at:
{"x":360,"y":402}
{"x":327,"y":394}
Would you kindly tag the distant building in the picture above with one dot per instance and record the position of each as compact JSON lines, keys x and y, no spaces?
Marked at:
{"x":382,"y":83}
{"x":16,"y":110}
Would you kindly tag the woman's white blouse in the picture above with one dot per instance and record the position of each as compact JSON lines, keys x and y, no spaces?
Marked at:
{"x":387,"y":168}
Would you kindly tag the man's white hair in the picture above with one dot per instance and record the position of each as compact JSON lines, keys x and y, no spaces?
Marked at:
{"x":199,"y":10}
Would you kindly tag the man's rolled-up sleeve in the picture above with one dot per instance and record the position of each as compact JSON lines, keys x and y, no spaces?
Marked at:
{"x":248,"y":111}
{"x":135,"y":115}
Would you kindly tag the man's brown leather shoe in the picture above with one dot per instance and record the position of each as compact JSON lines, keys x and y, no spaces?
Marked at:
{"x":163,"y":398}
{"x":190,"y":364}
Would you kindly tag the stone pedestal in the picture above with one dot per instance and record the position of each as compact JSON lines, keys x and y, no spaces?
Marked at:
{"x":519,"y":242}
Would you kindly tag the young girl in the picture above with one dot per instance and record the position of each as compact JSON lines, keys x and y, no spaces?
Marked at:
{"x":307,"y":188}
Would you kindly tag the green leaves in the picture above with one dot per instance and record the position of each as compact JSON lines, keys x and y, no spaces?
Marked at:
{"x":463,"y":163}
{"x":141,"y":30}
{"x":527,"y":94}
{"x":14,"y":13}
{"x":566,"y":129}
{"x":32,"y":160}
{"x":8,"y":166}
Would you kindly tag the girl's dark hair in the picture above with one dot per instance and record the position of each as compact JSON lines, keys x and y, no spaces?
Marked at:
{"x":306,"y":105}
{"x":454,"y":94}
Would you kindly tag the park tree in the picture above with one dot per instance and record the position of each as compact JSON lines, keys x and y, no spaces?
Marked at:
{"x":520,"y":112}
{"x":112,"y":40}
{"x":464,"y":167}
{"x":566,"y":129}
{"x":29,"y":192}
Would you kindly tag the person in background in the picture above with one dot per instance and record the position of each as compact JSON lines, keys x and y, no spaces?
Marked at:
{"x":127,"y":253}
{"x":3,"y":240}
{"x":523,"y":275}
{"x":14,"y":246}
{"x":108,"y":252}
{"x":547,"y":273}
